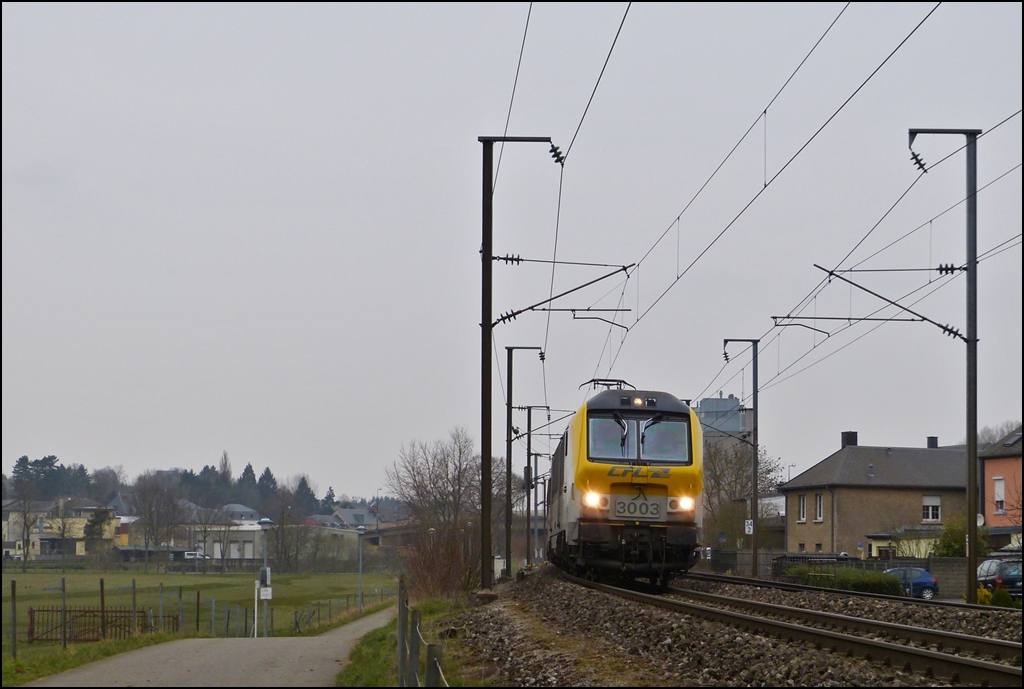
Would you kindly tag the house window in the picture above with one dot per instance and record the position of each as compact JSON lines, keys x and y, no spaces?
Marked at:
{"x":802,"y":547}
{"x":999,"y":494}
{"x":817,"y":547}
{"x":819,"y":511}
{"x":931,"y":508}
{"x":802,"y":510}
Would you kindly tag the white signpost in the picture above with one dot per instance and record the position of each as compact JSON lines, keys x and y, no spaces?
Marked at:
{"x":748,"y":527}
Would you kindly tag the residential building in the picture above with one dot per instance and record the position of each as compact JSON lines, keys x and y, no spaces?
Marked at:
{"x":1001,"y":478}
{"x":240,"y":513}
{"x":859,"y":491}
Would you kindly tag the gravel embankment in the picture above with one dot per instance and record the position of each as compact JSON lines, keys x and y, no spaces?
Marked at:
{"x":546,"y":632}
{"x":994,"y":624}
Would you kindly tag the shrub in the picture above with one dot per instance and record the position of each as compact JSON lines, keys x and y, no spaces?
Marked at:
{"x":849,"y":579}
{"x":984,"y":596}
{"x":1002,"y":598}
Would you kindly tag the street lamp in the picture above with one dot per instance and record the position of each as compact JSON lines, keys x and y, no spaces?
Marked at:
{"x":361,"y":530}
{"x":265,"y":524}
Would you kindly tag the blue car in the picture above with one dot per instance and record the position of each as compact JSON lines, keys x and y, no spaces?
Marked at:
{"x":917,"y":582}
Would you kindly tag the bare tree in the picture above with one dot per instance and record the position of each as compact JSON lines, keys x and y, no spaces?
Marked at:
{"x":207,"y":521}
{"x":28,"y":512}
{"x":440,"y":481}
{"x":225,"y":466}
{"x":728,"y":482}
{"x":61,"y":522}
{"x":1013,"y":507}
{"x":224,"y":530}
{"x":990,"y":434}
{"x":159,"y":511}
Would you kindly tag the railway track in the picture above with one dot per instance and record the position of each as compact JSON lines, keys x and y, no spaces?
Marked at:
{"x":784,"y":586}
{"x":794,"y":627}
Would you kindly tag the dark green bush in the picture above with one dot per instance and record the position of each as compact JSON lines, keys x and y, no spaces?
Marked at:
{"x":848,"y":579}
{"x":1003,"y":599}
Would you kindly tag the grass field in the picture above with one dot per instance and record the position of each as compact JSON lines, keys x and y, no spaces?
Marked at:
{"x":293,"y":593}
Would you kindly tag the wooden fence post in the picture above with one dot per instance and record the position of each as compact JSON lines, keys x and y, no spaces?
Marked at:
{"x":135,"y":612}
{"x":403,"y":626}
{"x":433,"y":678}
{"x":414,"y":650}
{"x":63,"y":614}
{"x":103,"y":611}
{"x":14,"y":621}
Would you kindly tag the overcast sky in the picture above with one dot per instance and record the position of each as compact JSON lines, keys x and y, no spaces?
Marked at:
{"x":256,"y":228}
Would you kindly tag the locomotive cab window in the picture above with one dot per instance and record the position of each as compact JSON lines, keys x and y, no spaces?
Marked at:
{"x":655,"y":439}
{"x":663,"y":440}
{"x":612,"y":438}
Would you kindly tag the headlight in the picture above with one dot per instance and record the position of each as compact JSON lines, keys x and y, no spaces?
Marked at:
{"x":683,"y":504}
{"x":591,"y":499}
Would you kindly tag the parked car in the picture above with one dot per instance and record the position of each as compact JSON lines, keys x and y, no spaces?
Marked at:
{"x":196,"y":556}
{"x":917,"y":582}
{"x":1005,"y":573}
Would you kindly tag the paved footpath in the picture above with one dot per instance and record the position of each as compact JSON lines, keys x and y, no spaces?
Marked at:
{"x":307,"y":661}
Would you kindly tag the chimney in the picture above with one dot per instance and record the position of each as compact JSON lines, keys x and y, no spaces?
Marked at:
{"x":849,"y":438}
{"x":933,"y":442}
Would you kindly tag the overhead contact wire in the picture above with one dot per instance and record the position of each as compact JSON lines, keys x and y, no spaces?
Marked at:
{"x":511,"y":100}
{"x":790,"y":161}
{"x":594,"y":92}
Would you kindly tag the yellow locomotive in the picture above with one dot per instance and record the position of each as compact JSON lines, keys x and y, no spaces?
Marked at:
{"x":624,"y":495}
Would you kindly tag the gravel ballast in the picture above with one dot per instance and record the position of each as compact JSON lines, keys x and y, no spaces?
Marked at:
{"x":543,"y":631}
{"x":995,"y":624}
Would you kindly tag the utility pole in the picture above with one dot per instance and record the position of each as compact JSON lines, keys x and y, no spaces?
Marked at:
{"x":753,"y":499}
{"x":486,"y":327}
{"x":508,"y":459}
{"x":531,"y":479}
{"x":974,"y":491}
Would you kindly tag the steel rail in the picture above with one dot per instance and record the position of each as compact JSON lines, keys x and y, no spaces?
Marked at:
{"x":785,"y":586}
{"x":929,"y":663}
{"x":947,"y":642}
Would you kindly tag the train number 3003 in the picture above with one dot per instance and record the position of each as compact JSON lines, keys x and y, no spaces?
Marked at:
{"x":637,"y":508}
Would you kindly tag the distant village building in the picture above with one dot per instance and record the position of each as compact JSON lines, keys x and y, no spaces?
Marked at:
{"x":1001,"y":481}
{"x":860,"y":500}
{"x":724,"y":420}
{"x":240,"y":513}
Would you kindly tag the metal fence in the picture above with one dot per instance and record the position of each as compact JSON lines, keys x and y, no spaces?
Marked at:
{"x":69,"y":625}
{"x":831,"y":562}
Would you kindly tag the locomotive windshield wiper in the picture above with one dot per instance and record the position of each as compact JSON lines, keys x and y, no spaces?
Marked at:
{"x":625,"y":431}
{"x":647,"y":424}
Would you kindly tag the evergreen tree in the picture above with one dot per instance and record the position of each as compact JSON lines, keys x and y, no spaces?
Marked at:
{"x":327,"y":505}
{"x":246,"y":491}
{"x":305,"y":502}
{"x":267,"y":484}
